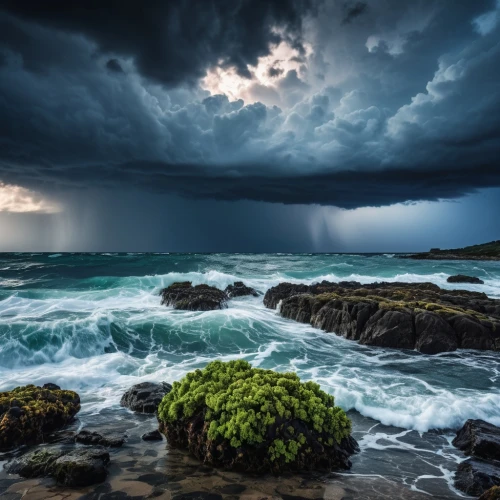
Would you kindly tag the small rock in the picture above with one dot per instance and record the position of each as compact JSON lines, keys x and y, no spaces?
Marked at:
{"x":145,"y":397}
{"x":51,"y":387}
{"x":152,"y":436}
{"x":239,"y":289}
{"x":480,"y":439}
{"x":68,"y":466}
{"x":462,"y":278}
{"x":94,"y":438}
{"x":187,"y":297}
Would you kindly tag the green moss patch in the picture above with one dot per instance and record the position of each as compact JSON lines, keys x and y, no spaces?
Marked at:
{"x":29,"y":413}
{"x":233,"y":415}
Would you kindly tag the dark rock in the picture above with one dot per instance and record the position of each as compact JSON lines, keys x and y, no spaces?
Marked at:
{"x":389,"y":329}
{"x":239,"y":289}
{"x":475,"y":476}
{"x":193,"y":298}
{"x":152,"y":436}
{"x":145,"y":397}
{"x":434,"y":334}
{"x":491,"y":494}
{"x":418,"y":316}
{"x":51,"y":387}
{"x":69,"y":467}
{"x":28,"y":414}
{"x":480,"y":439}
{"x":94,"y":438}
{"x":462,"y":278}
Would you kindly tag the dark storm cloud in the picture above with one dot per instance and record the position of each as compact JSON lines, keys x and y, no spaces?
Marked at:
{"x":175,"y":42}
{"x":114,"y":65}
{"x":414,"y":113}
{"x":353,"y":10}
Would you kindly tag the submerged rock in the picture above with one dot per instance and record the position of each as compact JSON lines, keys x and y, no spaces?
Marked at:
{"x":69,"y":467}
{"x":145,"y":397}
{"x":28,"y":414}
{"x":239,"y":289}
{"x":237,"y":417}
{"x":152,"y":436}
{"x":418,"y":316}
{"x":185,"y":296}
{"x":94,"y":438}
{"x":462,"y":278}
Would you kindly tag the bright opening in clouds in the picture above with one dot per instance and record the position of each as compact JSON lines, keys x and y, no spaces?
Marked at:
{"x":16,"y":199}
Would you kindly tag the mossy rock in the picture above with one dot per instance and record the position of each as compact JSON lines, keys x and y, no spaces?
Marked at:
{"x":29,"y":413}
{"x":491,"y":494}
{"x":242,"y":418}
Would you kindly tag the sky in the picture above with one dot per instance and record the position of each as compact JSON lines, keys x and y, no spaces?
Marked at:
{"x":249,"y":126}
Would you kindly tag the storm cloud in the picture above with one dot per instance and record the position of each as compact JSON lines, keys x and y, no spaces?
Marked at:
{"x":349,"y":104}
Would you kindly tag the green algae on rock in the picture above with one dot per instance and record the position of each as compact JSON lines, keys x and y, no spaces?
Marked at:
{"x":29,"y":413}
{"x":242,"y":418}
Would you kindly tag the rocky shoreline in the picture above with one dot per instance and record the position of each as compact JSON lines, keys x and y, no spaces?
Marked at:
{"x":418,"y":316}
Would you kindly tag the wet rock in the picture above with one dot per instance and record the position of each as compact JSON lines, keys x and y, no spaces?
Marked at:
{"x":462,"y":278}
{"x":94,"y":438}
{"x":418,"y":316}
{"x":480,"y":439}
{"x":475,"y":476}
{"x":69,"y":467}
{"x":187,"y":297}
{"x":239,"y":289}
{"x":145,"y":397}
{"x":491,"y":494}
{"x":152,"y":436}
{"x":434,"y":334}
{"x":28,"y":414}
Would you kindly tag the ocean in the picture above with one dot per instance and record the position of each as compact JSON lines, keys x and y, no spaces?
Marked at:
{"x":93,"y":323}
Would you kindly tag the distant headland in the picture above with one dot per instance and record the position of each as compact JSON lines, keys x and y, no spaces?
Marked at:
{"x":485,"y":251}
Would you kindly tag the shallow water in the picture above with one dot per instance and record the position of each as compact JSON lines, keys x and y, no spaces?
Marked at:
{"x":94,"y":323}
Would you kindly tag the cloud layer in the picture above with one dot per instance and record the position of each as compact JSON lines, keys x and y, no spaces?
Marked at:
{"x":364,"y":103}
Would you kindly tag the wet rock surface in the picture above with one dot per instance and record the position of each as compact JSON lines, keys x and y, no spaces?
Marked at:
{"x":185,"y":296}
{"x":481,"y":440}
{"x":95,"y":438}
{"x":239,"y":289}
{"x":145,"y":397}
{"x":152,"y":436}
{"x":491,"y":494}
{"x":29,"y":413}
{"x":68,"y":466}
{"x":475,"y":476}
{"x":462,"y":278}
{"x":418,"y":316}
{"x":141,"y":470}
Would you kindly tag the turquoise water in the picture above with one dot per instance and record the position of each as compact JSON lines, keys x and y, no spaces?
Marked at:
{"x":94,"y":323}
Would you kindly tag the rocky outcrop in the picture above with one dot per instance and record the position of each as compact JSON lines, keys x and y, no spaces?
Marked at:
{"x":68,"y":466}
{"x":94,"y":438}
{"x":462,"y":278}
{"x":187,"y":297}
{"x":28,"y":414}
{"x":481,"y":440}
{"x":418,"y":316}
{"x":239,"y":289}
{"x":145,"y":397}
